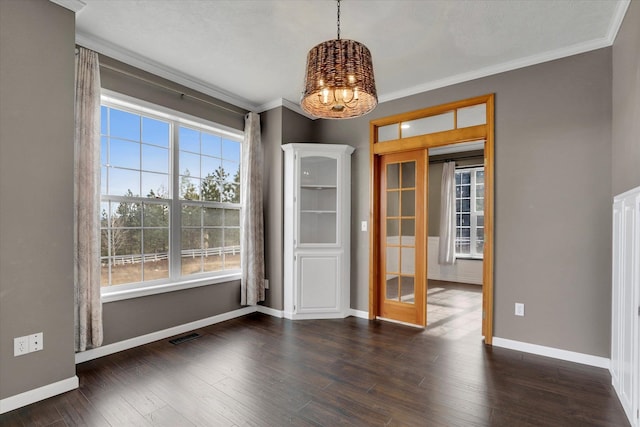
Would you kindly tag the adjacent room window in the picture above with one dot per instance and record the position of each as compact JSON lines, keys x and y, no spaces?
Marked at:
{"x":470,"y":212}
{"x":170,"y":192}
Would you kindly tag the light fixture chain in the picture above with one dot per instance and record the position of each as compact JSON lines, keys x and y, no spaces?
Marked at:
{"x":338,"y":19}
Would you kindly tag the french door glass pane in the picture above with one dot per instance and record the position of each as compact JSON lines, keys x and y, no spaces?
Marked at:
{"x":408,"y":203}
{"x":392,"y":287}
{"x":393,"y":231}
{"x":407,"y":289}
{"x":393,"y":203}
{"x":408,"y":256}
{"x":393,"y":259}
{"x":408,"y":227}
{"x":393,"y":176}
{"x":408,"y":174}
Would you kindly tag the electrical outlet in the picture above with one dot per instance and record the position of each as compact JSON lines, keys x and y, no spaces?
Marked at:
{"x":35,"y":342}
{"x":20,"y":346}
{"x":266,"y":283}
{"x":519,"y":309}
{"x":363,"y":226}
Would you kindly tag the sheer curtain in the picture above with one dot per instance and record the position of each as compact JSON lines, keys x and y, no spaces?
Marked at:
{"x":88,"y":307}
{"x":252,"y":244}
{"x":447,"y":249}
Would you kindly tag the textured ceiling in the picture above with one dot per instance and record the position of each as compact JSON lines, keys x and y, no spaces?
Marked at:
{"x":252,"y":52}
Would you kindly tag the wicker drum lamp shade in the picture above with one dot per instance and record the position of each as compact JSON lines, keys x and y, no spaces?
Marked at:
{"x":339,"y":82}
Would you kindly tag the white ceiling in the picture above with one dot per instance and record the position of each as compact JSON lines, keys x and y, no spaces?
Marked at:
{"x":252,"y":52}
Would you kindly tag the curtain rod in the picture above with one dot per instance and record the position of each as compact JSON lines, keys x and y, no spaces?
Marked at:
{"x":470,"y":166}
{"x":182,"y":94}
{"x":453,"y":159}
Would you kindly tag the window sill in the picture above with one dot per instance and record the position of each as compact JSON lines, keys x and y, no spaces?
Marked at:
{"x":111,"y":295}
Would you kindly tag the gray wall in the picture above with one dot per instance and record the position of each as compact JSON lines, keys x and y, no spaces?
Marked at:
{"x":553,"y":193}
{"x":36,"y":183}
{"x":626,"y":103}
{"x":139,"y":316}
{"x":271,"y":127}
{"x":279,"y":126}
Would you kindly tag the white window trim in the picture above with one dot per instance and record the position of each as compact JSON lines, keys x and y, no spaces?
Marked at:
{"x":473,"y":214}
{"x":140,"y":289}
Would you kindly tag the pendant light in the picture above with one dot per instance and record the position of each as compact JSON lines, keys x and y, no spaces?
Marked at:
{"x":339,"y":81}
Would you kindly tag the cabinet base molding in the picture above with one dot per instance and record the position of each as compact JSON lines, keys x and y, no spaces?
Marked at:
{"x":314,"y":316}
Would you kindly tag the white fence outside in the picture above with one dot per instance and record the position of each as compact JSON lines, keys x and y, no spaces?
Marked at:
{"x":187,"y":253}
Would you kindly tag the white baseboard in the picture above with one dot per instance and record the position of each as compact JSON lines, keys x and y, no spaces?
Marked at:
{"x":359,"y":313}
{"x":270,"y":311}
{"x":105,"y":350}
{"x":38,"y":394}
{"x":556,"y":353}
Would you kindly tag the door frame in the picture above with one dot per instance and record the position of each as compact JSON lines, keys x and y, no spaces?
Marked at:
{"x":457,"y":135}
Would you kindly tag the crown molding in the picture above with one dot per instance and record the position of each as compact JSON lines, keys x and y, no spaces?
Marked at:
{"x":500,"y":68}
{"x":296,"y":107}
{"x":283,"y":102}
{"x":150,"y":66}
{"x":616,"y":22}
{"x":73,"y":5}
{"x":270,"y":105}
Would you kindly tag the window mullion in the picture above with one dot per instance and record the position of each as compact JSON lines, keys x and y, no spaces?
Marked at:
{"x":474,"y":214}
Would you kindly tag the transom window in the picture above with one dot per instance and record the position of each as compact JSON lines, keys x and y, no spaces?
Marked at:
{"x":470,"y":212}
{"x":170,"y":198}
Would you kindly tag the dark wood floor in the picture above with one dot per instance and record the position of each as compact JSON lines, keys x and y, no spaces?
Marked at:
{"x":262,"y":371}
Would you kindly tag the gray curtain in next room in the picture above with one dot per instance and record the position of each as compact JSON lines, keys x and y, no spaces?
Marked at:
{"x":447,"y":249}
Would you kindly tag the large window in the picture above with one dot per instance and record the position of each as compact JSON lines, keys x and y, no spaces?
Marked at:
{"x":470,"y":212}
{"x":170,"y":194}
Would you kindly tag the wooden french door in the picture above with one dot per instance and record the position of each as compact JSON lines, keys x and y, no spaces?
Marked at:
{"x":403,"y":242}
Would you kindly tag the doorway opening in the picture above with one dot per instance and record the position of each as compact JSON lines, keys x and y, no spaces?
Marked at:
{"x":454,"y":289}
{"x":401,"y":251}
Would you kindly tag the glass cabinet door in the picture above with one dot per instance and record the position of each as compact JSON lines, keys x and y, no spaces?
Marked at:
{"x":317,"y":178}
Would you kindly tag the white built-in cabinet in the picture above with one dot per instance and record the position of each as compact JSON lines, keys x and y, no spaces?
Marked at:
{"x":625,"y":330}
{"x":317,"y":206}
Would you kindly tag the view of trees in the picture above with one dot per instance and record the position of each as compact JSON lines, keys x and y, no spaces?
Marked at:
{"x":126,"y":224}
{"x":215,"y":187}
{"x":135,"y":228}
